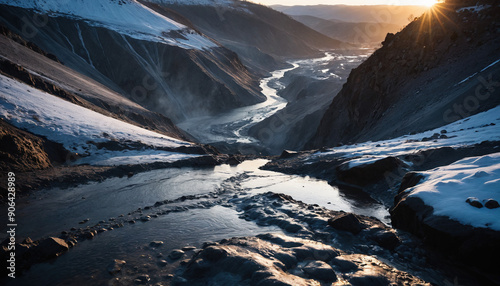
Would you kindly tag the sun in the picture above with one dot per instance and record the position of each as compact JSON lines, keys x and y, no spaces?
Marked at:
{"x":427,"y":3}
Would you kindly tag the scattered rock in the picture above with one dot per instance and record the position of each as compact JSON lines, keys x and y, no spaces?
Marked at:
{"x":144,"y":278}
{"x":474,"y":202}
{"x":162,"y":263}
{"x":84,"y":221}
{"x":288,"y":154}
{"x":386,"y":239}
{"x":188,"y":248}
{"x":116,"y":266}
{"x":320,"y":270}
{"x":51,"y":247}
{"x":491,"y":204}
{"x":157,"y":243}
{"x":233,"y":161}
{"x":176,"y":254}
{"x":348,"y":222}
{"x":344,"y":265}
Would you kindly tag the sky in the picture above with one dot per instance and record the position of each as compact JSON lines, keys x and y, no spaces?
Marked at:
{"x":347,"y":2}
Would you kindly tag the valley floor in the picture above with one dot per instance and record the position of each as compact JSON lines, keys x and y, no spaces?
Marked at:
{"x":139,"y":207}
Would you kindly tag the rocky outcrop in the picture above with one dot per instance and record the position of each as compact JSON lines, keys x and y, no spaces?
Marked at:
{"x":365,"y":174}
{"x":30,"y":252}
{"x":21,"y":151}
{"x":272,"y":259}
{"x":430,"y":74}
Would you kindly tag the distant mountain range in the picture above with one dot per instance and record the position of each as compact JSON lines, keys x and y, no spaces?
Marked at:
{"x":359,"y":25}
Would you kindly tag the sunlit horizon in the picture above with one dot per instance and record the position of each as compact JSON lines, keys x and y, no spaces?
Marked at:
{"x":427,"y":3}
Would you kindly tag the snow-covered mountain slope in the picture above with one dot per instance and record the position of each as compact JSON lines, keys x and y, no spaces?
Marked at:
{"x":124,"y":16}
{"x":23,"y":63}
{"x":175,"y":81}
{"x":78,"y":128}
{"x":196,"y":2}
{"x":256,"y":32}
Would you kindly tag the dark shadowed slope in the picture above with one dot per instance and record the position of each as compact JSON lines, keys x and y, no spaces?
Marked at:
{"x":156,"y":68}
{"x":440,"y":68}
{"x":254,"y":31}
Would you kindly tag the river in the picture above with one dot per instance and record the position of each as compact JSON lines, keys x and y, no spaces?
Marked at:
{"x":232,"y":127}
{"x":209,"y":215}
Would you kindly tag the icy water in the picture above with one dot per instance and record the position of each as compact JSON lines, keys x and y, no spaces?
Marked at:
{"x":206,"y":216}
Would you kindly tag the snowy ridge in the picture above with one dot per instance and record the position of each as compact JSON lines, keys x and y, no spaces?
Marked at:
{"x":481,"y":127}
{"x":195,"y":2}
{"x":447,"y":188}
{"x":75,"y":126}
{"x":123,"y":16}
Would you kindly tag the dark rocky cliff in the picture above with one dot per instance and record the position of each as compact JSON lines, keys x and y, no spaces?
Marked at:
{"x":435,"y":71}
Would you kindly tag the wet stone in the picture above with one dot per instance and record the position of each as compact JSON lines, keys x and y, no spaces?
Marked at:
{"x":144,"y":278}
{"x":116,"y":266}
{"x":348,"y":222}
{"x":188,"y":248}
{"x":157,"y":243}
{"x":162,"y":263}
{"x":320,"y":270}
{"x":176,"y":254}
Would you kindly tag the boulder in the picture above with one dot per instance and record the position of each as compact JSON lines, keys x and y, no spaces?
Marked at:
{"x":365,"y":174}
{"x":320,"y":270}
{"x":348,"y":222}
{"x":386,"y":239}
{"x":116,"y":266}
{"x":474,"y":202}
{"x":157,"y":243}
{"x":288,"y":154}
{"x":50,"y":248}
{"x":176,"y":254}
{"x":491,"y":204}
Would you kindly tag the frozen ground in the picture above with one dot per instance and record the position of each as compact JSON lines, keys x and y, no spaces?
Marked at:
{"x":75,"y":126}
{"x":481,"y":127}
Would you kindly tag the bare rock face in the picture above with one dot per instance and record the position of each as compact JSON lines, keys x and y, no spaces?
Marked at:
{"x":274,"y":259}
{"x":22,"y":151}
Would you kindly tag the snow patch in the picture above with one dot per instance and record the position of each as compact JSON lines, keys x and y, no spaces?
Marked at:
{"x":481,"y":127}
{"x":67,"y":123}
{"x":447,"y":188}
{"x":127,"y":157}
